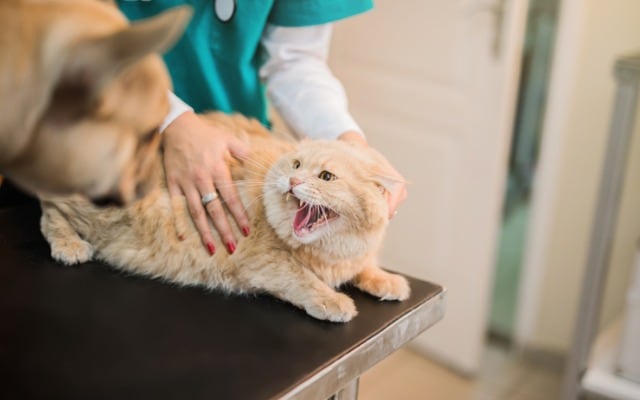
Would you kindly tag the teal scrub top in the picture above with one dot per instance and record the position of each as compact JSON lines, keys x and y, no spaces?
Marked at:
{"x":214,"y":66}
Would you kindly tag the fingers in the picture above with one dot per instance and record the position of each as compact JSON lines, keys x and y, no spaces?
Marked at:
{"x":231,"y":199}
{"x":222,"y":176}
{"x":200,"y":213}
{"x":196,"y":164}
{"x":216,"y":211}
{"x":177,"y":209}
{"x":395,"y":198}
{"x":238,"y":148}
{"x":397,"y":191}
{"x":196,"y":210}
{"x":199,"y":217}
{"x":220,"y":221}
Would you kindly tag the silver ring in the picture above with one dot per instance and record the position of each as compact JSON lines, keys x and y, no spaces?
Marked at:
{"x":209,"y":197}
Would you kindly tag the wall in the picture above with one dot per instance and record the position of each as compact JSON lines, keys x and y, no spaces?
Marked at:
{"x":433,"y":84}
{"x":627,"y":234}
{"x":592,"y":34}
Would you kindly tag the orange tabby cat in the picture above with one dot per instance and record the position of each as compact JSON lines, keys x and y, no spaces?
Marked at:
{"x":318,"y":215}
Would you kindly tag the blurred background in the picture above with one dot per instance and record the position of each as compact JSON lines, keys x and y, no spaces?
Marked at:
{"x":499,"y":113}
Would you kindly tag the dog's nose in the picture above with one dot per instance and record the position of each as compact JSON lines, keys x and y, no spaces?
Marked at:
{"x":143,"y":189}
{"x":108,"y":201}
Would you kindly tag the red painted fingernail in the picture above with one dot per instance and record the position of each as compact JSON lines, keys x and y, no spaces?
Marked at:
{"x":211,"y":248}
{"x":231,"y":246}
{"x":245,"y":230}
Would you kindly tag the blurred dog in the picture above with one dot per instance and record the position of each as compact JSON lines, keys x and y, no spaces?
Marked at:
{"x":82,"y":94}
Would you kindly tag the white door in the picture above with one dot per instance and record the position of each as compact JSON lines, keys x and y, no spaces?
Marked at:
{"x":433,"y":84}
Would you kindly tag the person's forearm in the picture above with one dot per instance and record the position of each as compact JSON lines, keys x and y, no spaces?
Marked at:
{"x":177,"y":107}
{"x":301,"y":86}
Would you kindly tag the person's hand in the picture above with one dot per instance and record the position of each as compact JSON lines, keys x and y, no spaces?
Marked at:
{"x":399,"y":192}
{"x":194,"y":161}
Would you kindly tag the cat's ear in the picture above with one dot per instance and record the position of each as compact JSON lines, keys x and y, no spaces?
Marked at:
{"x":387,"y":182}
{"x":90,"y":65}
{"x":382,"y":173}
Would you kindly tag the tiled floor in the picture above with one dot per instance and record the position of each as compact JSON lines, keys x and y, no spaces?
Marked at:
{"x":408,"y":376}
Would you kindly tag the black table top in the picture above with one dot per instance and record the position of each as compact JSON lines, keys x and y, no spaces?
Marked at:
{"x":92,"y":332}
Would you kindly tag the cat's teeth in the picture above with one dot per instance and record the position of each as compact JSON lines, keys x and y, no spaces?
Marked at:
{"x":287,"y":197}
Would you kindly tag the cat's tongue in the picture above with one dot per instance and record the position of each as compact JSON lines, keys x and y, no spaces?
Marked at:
{"x":302,"y":218}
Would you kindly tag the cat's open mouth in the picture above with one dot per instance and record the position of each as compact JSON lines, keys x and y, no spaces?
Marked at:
{"x":310,"y":217}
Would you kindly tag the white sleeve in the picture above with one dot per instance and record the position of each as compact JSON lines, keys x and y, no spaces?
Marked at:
{"x":176,"y":108}
{"x":300,"y":84}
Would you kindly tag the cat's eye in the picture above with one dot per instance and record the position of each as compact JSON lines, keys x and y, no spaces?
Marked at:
{"x":296,"y":164}
{"x":326,"y":176}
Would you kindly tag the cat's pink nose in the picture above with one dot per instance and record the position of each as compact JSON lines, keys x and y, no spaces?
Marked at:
{"x":293,"y":181}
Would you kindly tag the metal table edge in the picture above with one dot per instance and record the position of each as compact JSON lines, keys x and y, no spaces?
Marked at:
{"x":360,"y":358}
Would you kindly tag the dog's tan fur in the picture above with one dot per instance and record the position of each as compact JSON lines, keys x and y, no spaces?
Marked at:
{"x":81,"y":93}
{"x":144,"y":238}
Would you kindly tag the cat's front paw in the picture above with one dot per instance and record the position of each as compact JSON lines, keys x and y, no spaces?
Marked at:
{"x":386,"y":286}
{"x":335,"y":308}
{"x":71,"y":252}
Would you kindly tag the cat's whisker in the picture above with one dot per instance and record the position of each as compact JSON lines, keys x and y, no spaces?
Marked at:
{"x":253,"y":201}
{"x":284,"y":135}
{"x":260,"y":197}
{"x":262,"y":166}
{"x":329,"y":227}
{"x":324,"y":215}
{"x":280,"y":170}
{"x":244,"y":184}
{"x":259,"y":166}
{"x":347,"y":214}
{"x":247,"y":181}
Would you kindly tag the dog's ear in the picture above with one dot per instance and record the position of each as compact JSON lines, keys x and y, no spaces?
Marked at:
{"x":101,"y":59}
{"x":93,"y":63}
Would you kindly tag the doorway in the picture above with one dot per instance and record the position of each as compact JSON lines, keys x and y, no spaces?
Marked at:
{"x":542,"y":19}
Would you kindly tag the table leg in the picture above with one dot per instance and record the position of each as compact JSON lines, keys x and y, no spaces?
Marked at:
{"x":349,"y":392}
